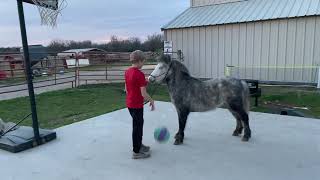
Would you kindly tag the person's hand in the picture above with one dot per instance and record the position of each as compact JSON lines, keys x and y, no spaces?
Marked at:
{"x":152,"y":105}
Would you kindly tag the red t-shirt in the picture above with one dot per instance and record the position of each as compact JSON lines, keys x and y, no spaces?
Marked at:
{"x":135,"y":79}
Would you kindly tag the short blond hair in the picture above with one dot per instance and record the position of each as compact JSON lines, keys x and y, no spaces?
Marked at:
{"x":137,"y":56}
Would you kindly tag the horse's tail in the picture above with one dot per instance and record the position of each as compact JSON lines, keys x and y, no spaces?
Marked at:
{"x":246,"y":96}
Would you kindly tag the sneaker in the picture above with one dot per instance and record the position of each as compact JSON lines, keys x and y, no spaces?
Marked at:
{"x":144,"y":148}
{"x":140,"y":155}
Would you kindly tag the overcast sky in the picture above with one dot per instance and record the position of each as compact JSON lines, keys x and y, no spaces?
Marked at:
{"x":94,"y":20}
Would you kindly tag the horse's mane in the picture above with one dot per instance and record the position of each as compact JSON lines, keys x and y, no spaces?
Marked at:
{"x":177,"y":65}
{"x":180,"y":67}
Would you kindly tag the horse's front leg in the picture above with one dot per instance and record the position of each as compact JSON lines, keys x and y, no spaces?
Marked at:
{"x":183,"y":116}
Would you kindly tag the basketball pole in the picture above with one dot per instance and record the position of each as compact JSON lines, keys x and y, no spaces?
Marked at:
{"x":35,"y":123}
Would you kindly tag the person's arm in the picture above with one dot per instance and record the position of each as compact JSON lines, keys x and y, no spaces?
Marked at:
{"x":147,"y":97}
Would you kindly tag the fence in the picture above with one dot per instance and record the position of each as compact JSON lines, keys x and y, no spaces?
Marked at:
{"x":47,"y":72}
{"x":69,"y":70}
{"x":107,"y":68}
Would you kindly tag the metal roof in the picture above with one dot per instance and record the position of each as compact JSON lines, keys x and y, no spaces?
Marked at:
{"x":244,"y":11}
{"x":82,"y":50}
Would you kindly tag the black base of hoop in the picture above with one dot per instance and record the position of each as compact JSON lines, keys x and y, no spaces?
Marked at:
{"x":23,"y":138}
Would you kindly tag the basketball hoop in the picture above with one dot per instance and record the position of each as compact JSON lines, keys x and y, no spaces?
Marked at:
{"x":49,"y":10}
{"x":28,"y":137}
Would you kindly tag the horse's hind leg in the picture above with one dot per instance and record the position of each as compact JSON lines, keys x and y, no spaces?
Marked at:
{"x":183,"y":116}
{"x":239,"y":126}
{"x":245,"y":122}
{"x":237,"y":109}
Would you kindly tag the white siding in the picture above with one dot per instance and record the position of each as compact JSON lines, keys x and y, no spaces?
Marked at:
{"x":257,"y":53}
{"x":191,"y":51}
{"x":308,"y":46}
{"x":180,"y":39}
{"x":316,"y":52}
{"x":300,"y":48}
{"x":228,"y":46}
{"x":185,"y":47}
{"x":268,"y":50}
{"x":273,"y":53}
{"x":290,"y":49}
{"x":249,"y":50}
{"x":242,"y":49}
{"x":202,"y":57}
{"x":215,"y":51}
{"x":235,"y":45}
{"x":208,"y":60}
{"x":196,"y":55}
{"x":174,"y":39}
{"x":265,"y":51}
{"x":221,"y":50}
{"x":281,"y":57}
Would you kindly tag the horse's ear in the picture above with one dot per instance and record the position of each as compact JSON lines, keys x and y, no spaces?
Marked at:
{"x":164,"y":58}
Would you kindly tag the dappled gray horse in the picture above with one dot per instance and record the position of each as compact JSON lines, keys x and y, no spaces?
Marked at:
{"x":189,"y":94}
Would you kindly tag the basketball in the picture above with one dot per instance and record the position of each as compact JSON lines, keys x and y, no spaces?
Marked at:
{"x":161,"y":134}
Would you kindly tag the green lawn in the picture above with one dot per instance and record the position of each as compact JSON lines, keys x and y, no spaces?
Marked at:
{"x":64,"y":107}
{"x":302,"y":97}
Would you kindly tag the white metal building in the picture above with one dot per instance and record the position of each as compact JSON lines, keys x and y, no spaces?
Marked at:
{"x":266,"y":39}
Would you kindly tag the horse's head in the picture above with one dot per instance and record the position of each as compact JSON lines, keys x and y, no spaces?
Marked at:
{"x":168,"y":68}
{"x":162,"y":70}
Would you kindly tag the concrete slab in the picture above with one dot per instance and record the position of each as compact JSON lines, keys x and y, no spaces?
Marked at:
{"x":282,"y":147}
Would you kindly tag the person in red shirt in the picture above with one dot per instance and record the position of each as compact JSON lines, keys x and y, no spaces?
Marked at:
{"x":135,"y":85}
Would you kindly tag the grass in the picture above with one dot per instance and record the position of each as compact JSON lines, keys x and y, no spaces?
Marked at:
{"x":290,"y":97}
{"x":65,"y":107}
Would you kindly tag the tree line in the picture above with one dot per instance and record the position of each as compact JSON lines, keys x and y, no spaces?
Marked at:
{"x":152,"y":43}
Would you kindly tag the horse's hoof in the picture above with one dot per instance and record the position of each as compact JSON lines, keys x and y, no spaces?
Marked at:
{"x":178,"y":142}
{"x":235,"y":133}
{"x":245,"y":139}
{"x":178,"y":136}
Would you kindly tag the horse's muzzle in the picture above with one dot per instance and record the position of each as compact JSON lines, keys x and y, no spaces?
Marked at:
{"x":151,"y":79}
